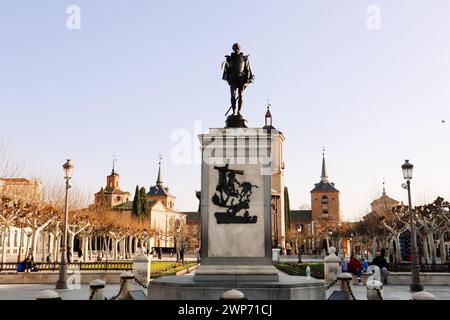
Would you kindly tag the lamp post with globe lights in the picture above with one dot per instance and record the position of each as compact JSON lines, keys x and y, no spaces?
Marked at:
{"x":299,"y":247}
{"x":62,"y":280}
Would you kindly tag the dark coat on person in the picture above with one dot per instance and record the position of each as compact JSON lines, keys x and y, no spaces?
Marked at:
{"x":380,"y":262}
{"x":69,"y":256}
{"x":28,"y":264}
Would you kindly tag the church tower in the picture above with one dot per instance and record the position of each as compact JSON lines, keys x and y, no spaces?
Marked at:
{"x":325,"y":199}
{"x":277,"y":183}
{"x":112,"y":181}
{"x":111,"y":195}
{"x":160,"y":192}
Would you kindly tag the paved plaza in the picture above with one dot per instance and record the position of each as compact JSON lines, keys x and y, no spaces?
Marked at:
{"x":395,"y":292}
{"x":29,"y":291}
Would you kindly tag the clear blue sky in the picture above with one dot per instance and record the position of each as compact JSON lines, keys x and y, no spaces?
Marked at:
{"x":138,"y":70}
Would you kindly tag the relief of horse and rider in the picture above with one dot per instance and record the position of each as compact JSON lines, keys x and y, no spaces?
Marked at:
{"x":233,"y":195}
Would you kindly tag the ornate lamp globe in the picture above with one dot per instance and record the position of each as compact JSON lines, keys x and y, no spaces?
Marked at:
{"x":68,"y":168}
{"x":407,"y":169}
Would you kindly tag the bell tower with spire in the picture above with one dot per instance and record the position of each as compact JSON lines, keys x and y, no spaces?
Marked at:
{"x":111,"y":195}
{"x":325,"y":198}
{"x":112,"y":181}
{"x":161,"y":192}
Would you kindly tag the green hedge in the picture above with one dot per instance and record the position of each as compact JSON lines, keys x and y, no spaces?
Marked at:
{"x":171,"y":269}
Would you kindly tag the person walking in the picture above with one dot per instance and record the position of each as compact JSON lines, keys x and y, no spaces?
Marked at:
{"x":69,"y":255}
{"x":49,"y":258}
{"x":354,"y":267}
{"x":381,"y":262}
{"x":182,"y":255}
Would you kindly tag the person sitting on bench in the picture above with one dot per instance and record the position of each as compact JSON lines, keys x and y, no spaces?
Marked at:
{"x":355,"y":266}
{"x":383,"y":265}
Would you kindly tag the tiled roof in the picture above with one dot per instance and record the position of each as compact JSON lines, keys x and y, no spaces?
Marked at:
{"x":16,"y":181}
{"x":324,"y":187}
{"x":302,"y":215}
{"x":192,"y":216}
{"x":159,"y":190}
{"x":114,"y":191}
{"x":128,"y":205}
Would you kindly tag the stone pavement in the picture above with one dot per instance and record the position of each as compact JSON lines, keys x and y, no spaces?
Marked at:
{"x":29,"y":291}
{"x":395,"y":292}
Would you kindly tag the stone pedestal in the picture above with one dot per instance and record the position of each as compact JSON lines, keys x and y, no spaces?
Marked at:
{"x":235,"y":273}
{"x":97,"y":288}
{"x":236,"y":234}
{"x":423,"y":295}
{"x":285,"y":288}
{"x":346,"y":284}
{"x":236,"y":206}
{"x":141,"y":268}
{"x":128,"y":278}
{"x":374,"y":290}
{"x":331,"y":266}
{"x":47,"y":295}
{"x":276,"y":255}
{"x":236,"y":121}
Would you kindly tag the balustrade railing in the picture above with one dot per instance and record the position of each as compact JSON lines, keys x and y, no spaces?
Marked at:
{"x":82,"y":266}
{"x":406,"y":267}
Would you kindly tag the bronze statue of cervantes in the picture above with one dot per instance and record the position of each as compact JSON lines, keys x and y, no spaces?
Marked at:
{"x":238,"y":74}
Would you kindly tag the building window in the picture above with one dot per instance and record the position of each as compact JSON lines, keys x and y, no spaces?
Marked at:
{"x":324,"y":200}
{"x":325,"y":214}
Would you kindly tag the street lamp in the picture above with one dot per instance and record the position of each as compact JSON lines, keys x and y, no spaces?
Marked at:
{"x":62,"y":281}
{"x":275,"y":220}
{"x":145,"y":233}
{"x":415,"y":286}
{"x":351,"y":243}
{"x":330,"y":235}
{"x":177,"y":244}
{"x":300,"y":228}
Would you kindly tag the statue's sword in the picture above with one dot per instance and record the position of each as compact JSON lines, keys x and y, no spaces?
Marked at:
{"x":232,"y":106}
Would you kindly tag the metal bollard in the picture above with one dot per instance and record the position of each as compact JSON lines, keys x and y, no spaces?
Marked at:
{"x":423,"y":295}
{"x":48,"y":295}
{"x":97,"y":287}
{"x":346,"y":284}
{"x":374,"y":290}
{"x":126,"y":280}
{"x":233,"y":295}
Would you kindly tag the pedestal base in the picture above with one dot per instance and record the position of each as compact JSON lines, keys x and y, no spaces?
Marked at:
{"x":236,"y":273}
{"x":236,"y":121}
{"x":286,"y":288}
